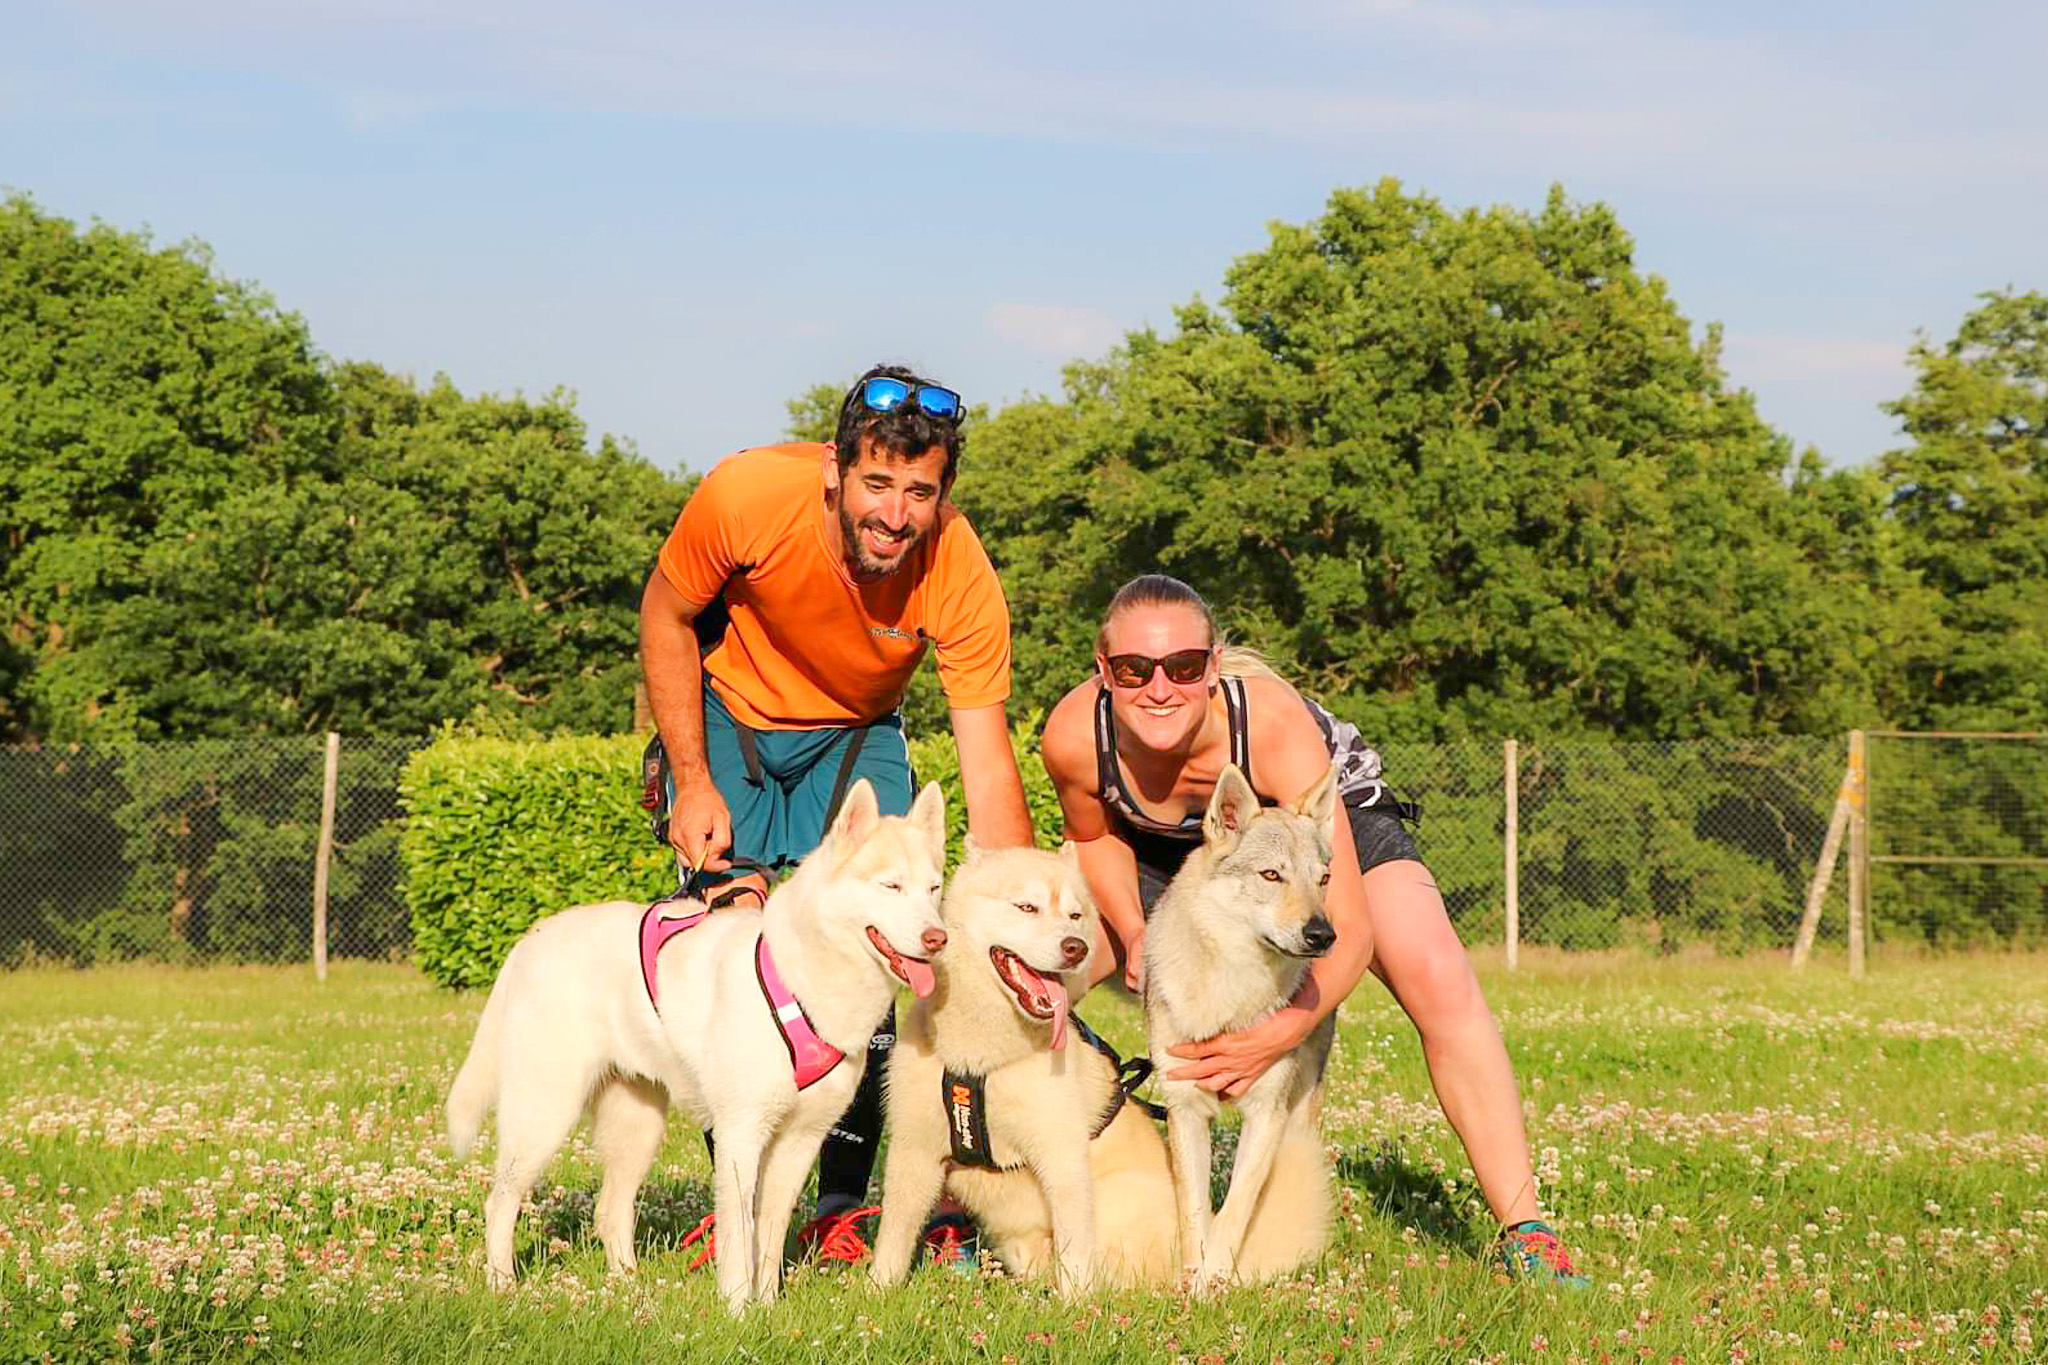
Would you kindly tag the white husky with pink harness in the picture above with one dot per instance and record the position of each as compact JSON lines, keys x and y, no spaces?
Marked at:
{"x":761,"y":1035}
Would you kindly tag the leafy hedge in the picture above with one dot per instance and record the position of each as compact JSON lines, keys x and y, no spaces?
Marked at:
{"x":499,"y":832}
{"x":934,"y":759}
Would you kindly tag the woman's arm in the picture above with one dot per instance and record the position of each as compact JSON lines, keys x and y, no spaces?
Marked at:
{"x":1107,"y":863}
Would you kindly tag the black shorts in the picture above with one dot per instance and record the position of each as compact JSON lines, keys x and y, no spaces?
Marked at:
{"x":1376,"y":832}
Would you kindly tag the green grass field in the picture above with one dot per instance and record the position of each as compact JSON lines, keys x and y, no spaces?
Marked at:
{"x":245,"y":1164}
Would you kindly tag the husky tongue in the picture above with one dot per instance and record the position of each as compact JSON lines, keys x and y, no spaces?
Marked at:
{"x":918,"y":974}
{"x":1053,"y":993}
{"x":1057,"y":989}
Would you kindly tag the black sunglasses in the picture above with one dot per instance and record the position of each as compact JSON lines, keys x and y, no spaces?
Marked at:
{"x":1182,"y":666}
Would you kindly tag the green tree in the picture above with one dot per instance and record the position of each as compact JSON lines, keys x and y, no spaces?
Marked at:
{"x":138,"y":390}
{"x":209,"y":531}
{"x":814,"y":413}
{"x":1457,"y":472}
{"x":1970,"y":496}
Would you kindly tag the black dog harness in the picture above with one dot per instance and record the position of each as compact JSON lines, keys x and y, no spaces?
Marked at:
{"x":966,"y":1104}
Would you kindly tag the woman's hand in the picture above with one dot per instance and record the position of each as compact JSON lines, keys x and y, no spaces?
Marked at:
{"x":1134,"y":962}
{"x":1230,"y":1062}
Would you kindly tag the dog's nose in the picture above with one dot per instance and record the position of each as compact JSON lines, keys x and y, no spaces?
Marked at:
{"x":933,"y":940}
{"x":1073,"y":949}
{"x":1318,"y":935}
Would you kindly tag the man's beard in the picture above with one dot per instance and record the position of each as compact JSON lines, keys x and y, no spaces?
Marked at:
{"x":859,"y":562}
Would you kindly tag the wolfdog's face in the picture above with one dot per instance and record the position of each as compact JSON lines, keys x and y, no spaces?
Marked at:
{"x":885,"y":879}
{"x":1024,"y":915}
{"x":1276,"y":861}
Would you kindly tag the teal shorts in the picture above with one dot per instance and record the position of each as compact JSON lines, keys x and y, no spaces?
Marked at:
{"x":781,"y":800}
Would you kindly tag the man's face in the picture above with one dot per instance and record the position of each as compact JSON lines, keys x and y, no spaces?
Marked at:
{"x":888,"y":504}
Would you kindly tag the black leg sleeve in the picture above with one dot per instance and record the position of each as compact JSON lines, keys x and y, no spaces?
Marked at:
{"x":848,"y":1157}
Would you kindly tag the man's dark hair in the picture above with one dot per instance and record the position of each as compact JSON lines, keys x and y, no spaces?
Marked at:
{"x":905,"y":429}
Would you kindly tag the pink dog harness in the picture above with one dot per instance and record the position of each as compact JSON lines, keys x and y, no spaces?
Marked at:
{"x":811,"y":1058}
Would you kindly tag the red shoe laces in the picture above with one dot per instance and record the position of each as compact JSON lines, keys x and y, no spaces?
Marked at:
{"x":705,"y":1232}
{"x":839,"y":1238}
{"x":947,"y":1243}
{"x":1545,"y":1247}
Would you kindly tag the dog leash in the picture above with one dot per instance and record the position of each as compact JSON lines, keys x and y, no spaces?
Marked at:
{"x":1129,"y":1076}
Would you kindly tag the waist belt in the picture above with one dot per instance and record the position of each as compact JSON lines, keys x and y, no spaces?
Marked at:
{"x":966,"y":1104}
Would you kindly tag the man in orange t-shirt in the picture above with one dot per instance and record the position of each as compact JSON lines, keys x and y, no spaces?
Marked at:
{"x":833,"y":567}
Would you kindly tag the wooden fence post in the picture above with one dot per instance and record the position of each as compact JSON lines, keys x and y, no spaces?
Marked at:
{"x":1510,"y":754}
{"x":1859,"y":849}
{"x":324,"y":855}
{"x":1823,"y":874}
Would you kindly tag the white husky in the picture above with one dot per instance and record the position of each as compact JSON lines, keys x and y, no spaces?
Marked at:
{"x":1228,"y":944}
{"x":991,"y":1097}
{"x":570,"y":1026}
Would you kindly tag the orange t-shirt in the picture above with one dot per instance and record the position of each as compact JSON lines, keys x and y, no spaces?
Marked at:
{"x":808,"y":646}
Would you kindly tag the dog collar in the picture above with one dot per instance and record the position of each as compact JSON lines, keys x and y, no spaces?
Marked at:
{"x":811,"y":1058}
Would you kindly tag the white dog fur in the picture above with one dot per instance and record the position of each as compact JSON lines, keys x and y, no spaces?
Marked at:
{"x":568,"y":1028}
{"x":1085,"y":1210}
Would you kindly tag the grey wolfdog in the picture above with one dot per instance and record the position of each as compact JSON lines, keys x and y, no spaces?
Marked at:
{"x":1227,"y":945}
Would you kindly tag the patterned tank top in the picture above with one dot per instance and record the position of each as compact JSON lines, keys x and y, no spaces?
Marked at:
{"x":1358,"y":764}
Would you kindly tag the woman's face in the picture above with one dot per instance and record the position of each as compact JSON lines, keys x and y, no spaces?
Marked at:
{"x":1160,"y":714}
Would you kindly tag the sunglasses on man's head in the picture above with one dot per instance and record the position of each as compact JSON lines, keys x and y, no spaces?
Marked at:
{"x":886,"y":395}
{"x":1135,"y":670}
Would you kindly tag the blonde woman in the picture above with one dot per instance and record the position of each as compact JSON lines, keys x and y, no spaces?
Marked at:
{"x":1135,"y":752}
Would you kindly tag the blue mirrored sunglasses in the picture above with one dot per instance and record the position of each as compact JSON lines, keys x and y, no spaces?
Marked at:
{"x":883,"y":395}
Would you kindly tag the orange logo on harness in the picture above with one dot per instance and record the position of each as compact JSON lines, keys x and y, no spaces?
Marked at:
{"x":962,"y":1095}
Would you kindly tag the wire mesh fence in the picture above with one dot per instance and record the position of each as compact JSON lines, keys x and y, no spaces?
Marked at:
{"x":1648,"y":845}
{"x":1959,"y":838}
{"x":198,"y":851}
{"x":206,"y":851}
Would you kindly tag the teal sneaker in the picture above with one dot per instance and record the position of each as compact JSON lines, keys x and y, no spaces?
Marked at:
{"x":1532,"y":1251}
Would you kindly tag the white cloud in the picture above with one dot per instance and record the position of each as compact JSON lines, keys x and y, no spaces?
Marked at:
{"x":1857,"y":360}
{"x":1053,"y":329}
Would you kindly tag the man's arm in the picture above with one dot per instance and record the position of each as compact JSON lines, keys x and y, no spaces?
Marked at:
{"x":699,"y":824}
{"x":996,"y":814}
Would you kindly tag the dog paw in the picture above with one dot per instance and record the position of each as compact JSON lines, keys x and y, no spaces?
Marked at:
{"x":497,"y":1281}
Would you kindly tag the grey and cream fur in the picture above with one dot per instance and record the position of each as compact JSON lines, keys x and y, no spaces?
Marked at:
{"x":1228,"y":944}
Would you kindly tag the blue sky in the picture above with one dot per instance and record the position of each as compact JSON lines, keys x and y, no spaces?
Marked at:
{"x":687,"y":214}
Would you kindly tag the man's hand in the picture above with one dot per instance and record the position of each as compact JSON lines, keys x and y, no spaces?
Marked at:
{"x":700,"y":825}
{"x":1230,"y":1062}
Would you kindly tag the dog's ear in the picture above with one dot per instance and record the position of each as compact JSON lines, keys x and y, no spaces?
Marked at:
{"x":858,"y":815}
{"x":1230,"y":810}
{"x":970,"y":850}
{"x":1319,"y":803}
{"x":1070,"y":852}
{"x":928,"y":817}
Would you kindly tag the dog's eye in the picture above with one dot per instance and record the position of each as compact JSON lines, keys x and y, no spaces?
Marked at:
{"x":1269,"y":874}
{"x":1326,"y":879}
{"x":1026,"y":906}
{"x":897,"y":887}
{"x":938,"y":887}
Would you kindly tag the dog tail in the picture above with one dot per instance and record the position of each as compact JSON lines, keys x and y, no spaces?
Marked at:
{"x":476,"y":1084}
